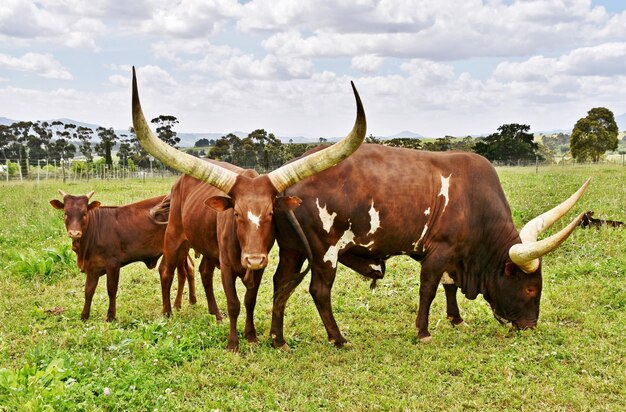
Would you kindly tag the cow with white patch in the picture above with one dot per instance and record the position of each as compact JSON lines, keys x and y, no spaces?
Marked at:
{"x":446,"y":210}
{"x":244,"y":203}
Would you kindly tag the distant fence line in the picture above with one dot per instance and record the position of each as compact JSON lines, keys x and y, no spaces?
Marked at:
{"x":75,"y":171}
{"x":12,"y":170}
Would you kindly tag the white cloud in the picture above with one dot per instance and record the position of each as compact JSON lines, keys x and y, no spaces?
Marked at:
{"x":43,"y":65}
{"x":191,"y":18}
{"x":367,"y":63}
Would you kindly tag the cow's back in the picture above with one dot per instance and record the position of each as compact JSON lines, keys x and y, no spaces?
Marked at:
{"x":384,"y":201}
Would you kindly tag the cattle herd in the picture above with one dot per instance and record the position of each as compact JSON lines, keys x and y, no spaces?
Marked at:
{"x":350,"y":203}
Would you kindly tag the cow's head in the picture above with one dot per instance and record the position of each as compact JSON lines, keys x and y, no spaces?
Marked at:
{"x":75,"y":212}
{"x":516,"y":294}
{"x":252,"y":198}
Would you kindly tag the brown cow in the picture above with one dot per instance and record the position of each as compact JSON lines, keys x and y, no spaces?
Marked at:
{"x":252,"y":199}
{"x":106,"y":238}
{"x":446,"y":210}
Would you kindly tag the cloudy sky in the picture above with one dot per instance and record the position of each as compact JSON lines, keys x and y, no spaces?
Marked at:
{"x":436,"y":68}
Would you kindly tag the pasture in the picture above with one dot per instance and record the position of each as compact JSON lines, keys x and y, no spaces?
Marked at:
{"x":574,"y":361}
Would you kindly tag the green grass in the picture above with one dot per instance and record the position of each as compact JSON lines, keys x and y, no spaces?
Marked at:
{"x":574,"y":361}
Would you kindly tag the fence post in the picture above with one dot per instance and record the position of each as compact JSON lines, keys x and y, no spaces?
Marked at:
{"x":536,"y":164}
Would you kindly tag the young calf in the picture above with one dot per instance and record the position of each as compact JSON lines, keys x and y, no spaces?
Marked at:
{"x":105,"y":238}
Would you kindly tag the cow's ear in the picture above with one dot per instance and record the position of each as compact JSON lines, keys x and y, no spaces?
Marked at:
{"x":287,"y":202}
{"x":510,"y":268}
{"x":57,"y":204}
{"x":219,"y":203}
{"x":93,"y":205}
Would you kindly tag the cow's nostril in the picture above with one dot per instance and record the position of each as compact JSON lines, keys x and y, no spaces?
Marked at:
{"x":74,"y":234}
{"x":255,"y":261}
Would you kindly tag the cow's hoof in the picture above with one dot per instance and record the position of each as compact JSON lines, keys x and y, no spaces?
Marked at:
{"x":234,"y":348}
{"x":426,"y":339}
{"x":455,"y":320}
{"x":340,"y":343}
{"x":252,"y":339}
{"x":284,"y":348}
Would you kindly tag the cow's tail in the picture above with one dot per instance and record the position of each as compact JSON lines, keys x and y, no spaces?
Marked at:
{"x":160,"y":213}
{"x":305,"y":242}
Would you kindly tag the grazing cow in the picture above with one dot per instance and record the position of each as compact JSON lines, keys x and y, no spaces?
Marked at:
{"x":588,"y":221}
{"x":106,"y":238}
{"x":250,"y":200}
{"x":446,"y":210}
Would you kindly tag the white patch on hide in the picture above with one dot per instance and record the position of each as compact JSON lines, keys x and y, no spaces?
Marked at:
{"x":427,"y":212}
{"x":332,"y":253}
{"x":377,"y":267}
{"x":254,"y":219}
{"x":445,"y":186}
{"x":417,"y":243}
{"x":368,"y":245}
{"x":374,"y":220}
{"x":446,"y":279}
{"x":327,"y":218}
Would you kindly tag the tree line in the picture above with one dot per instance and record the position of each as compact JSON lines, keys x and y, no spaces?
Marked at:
{"x":55,"y":142}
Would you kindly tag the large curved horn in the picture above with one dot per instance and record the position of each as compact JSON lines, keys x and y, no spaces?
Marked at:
{"x":292,"y":173}
{"x":62,"y":193}
{"x":90,"y":194}
{"x":214,"y":175}
{"x":526,"y":254}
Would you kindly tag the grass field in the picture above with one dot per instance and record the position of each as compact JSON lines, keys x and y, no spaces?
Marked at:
{"x":574,"y":361}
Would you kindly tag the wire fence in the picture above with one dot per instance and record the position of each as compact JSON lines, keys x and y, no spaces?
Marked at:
{"x":14,"y":170}
{"x":76,"y":170}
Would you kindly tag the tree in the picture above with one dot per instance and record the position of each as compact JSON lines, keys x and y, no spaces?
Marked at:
{"x":202,"y":143}
{"x":441,"y":144}
{"x":406,"y":142}
{"x":164,"y":131}
{"x":594,"y":134}
{"x":372,"y":139}
{"x":513,"y":142}
{"x":107,"y":141}
{"x":84,"y":135}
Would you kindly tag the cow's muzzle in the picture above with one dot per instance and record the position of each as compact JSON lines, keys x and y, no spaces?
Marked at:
{"x":254,"y":261}
{"x":74,"y":234}
{"x":525,"y":324}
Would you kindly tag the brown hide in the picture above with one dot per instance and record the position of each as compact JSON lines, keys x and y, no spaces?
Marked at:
{"x":203,"y":218}
{"x":106,"y":238}
{"x":446,"y":210}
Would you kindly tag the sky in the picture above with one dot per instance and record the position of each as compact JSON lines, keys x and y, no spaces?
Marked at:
{"x":435,"y":68}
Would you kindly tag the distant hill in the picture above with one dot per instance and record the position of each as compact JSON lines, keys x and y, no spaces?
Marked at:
{"x":404,"y":133}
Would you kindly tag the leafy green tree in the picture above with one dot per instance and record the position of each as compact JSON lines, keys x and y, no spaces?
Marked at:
{"x":222,"y":149}
{"x":372,"y":139}
{"x":513,"y":142}
{"x":107,"y":141}
{"x":441,"y":144}
{"x":466,"y":144}
{"x":594,"y":134}
{"x":202,"y":143}
{"x":406,"y":142}
{"x":164,"y":129}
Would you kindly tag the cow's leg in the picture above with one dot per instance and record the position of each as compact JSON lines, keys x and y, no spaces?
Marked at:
{"x":233,"y":305}
{"x":428,"y":290}
{"x":91,"y":281}
{"x":286,"y":278}
{"x":185,"y":271}
{"x":206,"y":274}
{"x":452,"y":307}
{"x":171,"y":251}
{"x":250,"y":302}
{"x":178,"y":301}
{"x":191,"y":279}
{"x":322,"y":279}
{"x":113,"y":278}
